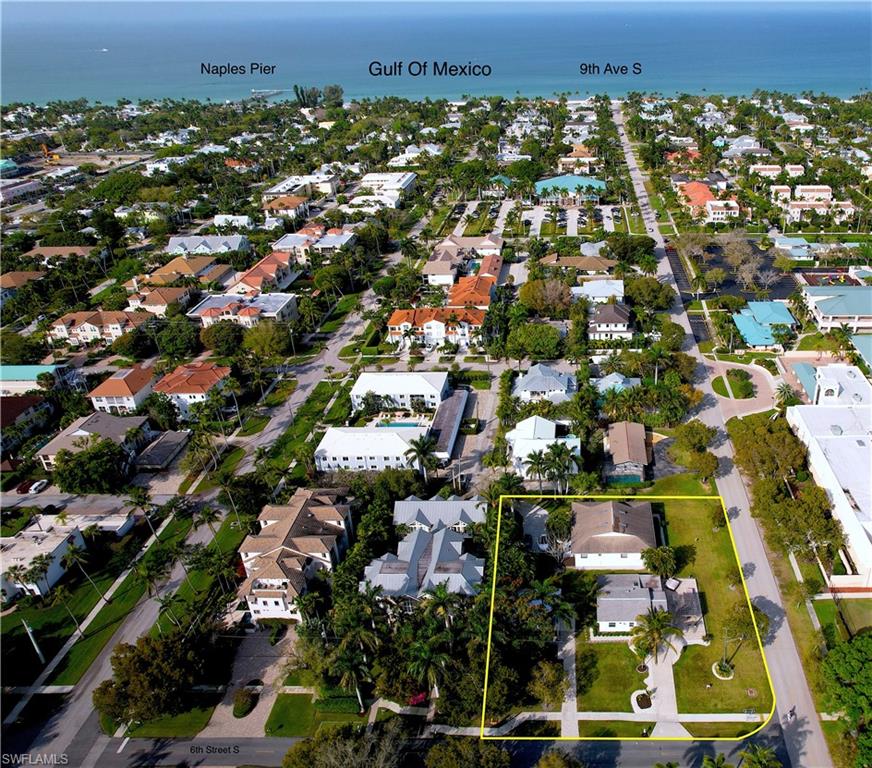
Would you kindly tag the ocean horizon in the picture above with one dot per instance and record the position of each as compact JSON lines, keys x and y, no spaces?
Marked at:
{"x":105,"y":52}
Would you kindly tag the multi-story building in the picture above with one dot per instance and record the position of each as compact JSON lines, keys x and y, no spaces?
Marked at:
{"x":433,"y":326}
{"x":77,"y":328}
{"x":191,"y":383}
{"x":124,"y":391}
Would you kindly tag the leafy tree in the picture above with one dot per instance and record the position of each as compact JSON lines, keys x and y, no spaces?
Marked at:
{"x":178,"y":339}
{"x":223,"y":337}
{"x":694,"y":435}
{"x":555,"y":759}
{"x":548,"y":298}
{"x":704,"y":464}
{"x":98,"y":468}
{"x":266,"y":340}
{"x":548,"y":684}
{"x":135,"y":344}
{"x":846,"y":678}
{"x":649,"y":292}
{"x":332,"y":96}
{"x":470,"y":753}
{"x":348,"y":747}
{"x":16,"y":349}
{"x":536,"y":341}
{"x":149,"y":679}
{"x":161,"y":411}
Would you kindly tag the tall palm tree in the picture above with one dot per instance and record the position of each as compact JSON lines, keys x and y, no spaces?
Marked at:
{"x":17,"y":574}
{"x":149,"y":572}
{"x":61,"y":596}
{"x":653,"y":630}
{"x":167,"y":603}
{"x":656,"y":357}
{"x":353,"y":672}
{"x":548,"y":595}
{"x":422,"y":452}
{"x":139,"y":498}
{"x":39,"y":568}
{"x":232,"y":385}
{"x":75,"y":555}
{"x":537,"y":466}
{"x":207,"y":515}
{"x":699,"y":284}
{"x":441,"y":603}
{"x":427,"y":662}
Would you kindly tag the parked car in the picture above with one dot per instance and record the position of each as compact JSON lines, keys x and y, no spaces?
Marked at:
{"x":24,"y":487}
{"x":39,"y":485}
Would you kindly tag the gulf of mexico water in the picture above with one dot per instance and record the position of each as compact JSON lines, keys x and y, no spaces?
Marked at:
{"x":140,"y":50}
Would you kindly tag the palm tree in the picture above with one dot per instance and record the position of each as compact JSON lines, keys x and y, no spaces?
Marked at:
{"x":360,"y":637}
{"x":441,"y":604}
{"x":537,"y":466}
{"x":561,"y":461}
{"x":427,"y":663}
{"x":61,"y":596}
{"x":784,"y":396}
{"x":39,"y":568}
{"x":233,"y":386}
{"x":699,"y":284}
{"x":207,"y":515}
{"x":149,"y":573}
{"x":716,"y":761}
{"x":648,"y":263}
{"x":657,"y":356}
{"x":17,"y":574}
{"x":548,"y":595}
{"x":352,"y":672}
{"x":758,"y":756}
{"x":75,"y":555}
{"x":421,"y":452}
{"x":139,"y":498}
{"x":653,"y":630}
{"x":167,"y":603}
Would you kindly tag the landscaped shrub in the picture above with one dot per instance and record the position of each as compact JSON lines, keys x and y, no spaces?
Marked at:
{"x":341,"y":704}
{"x":244,"y":700}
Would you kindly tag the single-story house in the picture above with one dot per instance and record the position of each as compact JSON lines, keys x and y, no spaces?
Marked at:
{"x":611,"y":534}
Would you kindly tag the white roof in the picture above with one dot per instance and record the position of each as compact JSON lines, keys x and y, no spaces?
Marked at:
{"x":399,"y":383}
{"x":368,"y":441}
{"x":850,"y":385}
{"x":599,"y":289}
{"x":533,"y":427}
{"x":844,"y":435}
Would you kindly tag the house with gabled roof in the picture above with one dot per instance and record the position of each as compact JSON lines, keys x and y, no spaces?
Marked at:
{"x":430,"y":514}
{"x":294,"y":541}
{"x":611,"y":534}
{"x":191,"y":383}
{"x":124,"y":391}
{"x":542,"y":382}
{"x":627,"y":452}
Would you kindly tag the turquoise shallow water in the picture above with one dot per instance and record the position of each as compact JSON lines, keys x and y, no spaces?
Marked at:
{"x":152,"y":50}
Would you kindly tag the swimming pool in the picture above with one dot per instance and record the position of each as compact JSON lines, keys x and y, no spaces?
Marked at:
{"x":399,"y":424}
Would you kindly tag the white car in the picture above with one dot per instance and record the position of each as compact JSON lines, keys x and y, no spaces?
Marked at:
{"x":39,"y":485}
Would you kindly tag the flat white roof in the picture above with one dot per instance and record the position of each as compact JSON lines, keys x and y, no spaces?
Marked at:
{"x":851,"y":386}
{"x":368,"y":441}
{"x":399,"y":383}
{"x":844,"y":435}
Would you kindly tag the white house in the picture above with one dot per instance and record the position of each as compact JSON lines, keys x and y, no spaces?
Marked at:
{"x":839,"y":443}
{"x":229,"y":220}
{"x":610,"y":321}
{"x":191,"y":383}
{"x":124,"y":391}
{"x":611,"y":534}
{"x":430,"y":514}
{"x":389,"y":182}
{"x":246,"y":311}
{"x":599,"y":291}
{"x":832,"y":306}
{"x":718,"y":211}
{"x":542,"y":382}
{"x":412,"y":390}
{"x":536,"y":434}
{"x":207,"y":245}
{"x":623,"y":597}
{"x":366,"y":448}
{"x":26,"y":545}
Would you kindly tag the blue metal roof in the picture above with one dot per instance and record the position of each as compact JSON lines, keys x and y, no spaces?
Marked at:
{"x":805,"y":373}
{"x":841,"y":300}
{"x":863,"y":345}
{"x":771,"y":313}
{"x":754,"y":334}
{"x":569,"y":181}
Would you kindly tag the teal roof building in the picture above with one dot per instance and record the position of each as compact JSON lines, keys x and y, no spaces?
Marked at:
{"x":755,"y":322}
{"x":572,"y":183}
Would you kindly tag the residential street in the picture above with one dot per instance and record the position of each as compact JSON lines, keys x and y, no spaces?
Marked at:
{"x":804,"y":737}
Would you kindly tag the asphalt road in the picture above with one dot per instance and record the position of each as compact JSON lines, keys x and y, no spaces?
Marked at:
{"x":804,"y":738}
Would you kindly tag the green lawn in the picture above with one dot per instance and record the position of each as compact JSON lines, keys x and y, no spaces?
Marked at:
{"x":281,"y":392}
{"x":307,"y":415}
{"x":51,"y":624}
{"x":617,"y":728}
{"x":253,"y":425}
{"x":228,"y":463}
{"x":740,"y":388}
{"x":341,"y":408}
{"x":342,"y":309}
{"x":181,"y":726}
{"x":710,"y":558}
{"x":614,"y":678}
{"x":815,"y":342}
{"x":720,"y":730}
{"x":683,"y":484}
{"x":837,"y":625}
{"x":720,"y":387}
{"x":294,"y":714}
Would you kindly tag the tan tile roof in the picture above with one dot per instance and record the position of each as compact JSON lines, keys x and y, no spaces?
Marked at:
{"x":48,"y":251}
{"x":124,"y":383}
{"x":471,"y":291}
{"x":102,"y":318}
{"x":584,"y":263}
{"x":418,"y":317}
{"x":192,"y":378}
{"x":19,"y":279}
{"x":286,"y":202}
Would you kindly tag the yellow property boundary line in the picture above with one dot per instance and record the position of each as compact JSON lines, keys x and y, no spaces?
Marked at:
{"x":638,"y":497}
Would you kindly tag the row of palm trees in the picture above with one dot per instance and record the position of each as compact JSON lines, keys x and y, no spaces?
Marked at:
{"x":556,"y":464}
